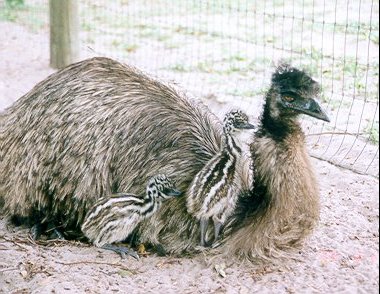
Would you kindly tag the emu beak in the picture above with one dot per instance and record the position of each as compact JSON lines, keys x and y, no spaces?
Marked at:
{"x":246,"y":126}
{"x":312,"y":108}
{"x":173,"y":192}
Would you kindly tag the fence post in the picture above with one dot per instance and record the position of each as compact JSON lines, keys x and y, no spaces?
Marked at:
{"x":64,"y":41}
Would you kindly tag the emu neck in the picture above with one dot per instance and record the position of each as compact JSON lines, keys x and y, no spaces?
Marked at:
{"x":151,"y":204}
{"x":276,"y":126}
{"x":149,"y":198}
{"x":283,"y":206}
{"x":230,"y":145}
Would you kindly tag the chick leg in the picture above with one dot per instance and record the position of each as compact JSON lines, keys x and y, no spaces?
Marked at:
{"x":36,"y":231}
{"x":204,"y":224}
{"x":55,"y":232}
{"x":217,"y":227}
{"x":123,"y":251}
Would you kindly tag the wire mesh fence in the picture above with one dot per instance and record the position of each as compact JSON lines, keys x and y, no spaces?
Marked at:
{"x":224,"y":53}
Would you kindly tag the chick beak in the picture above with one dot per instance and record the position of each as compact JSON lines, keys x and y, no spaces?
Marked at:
{"x":246,"y":126}
{"x":173,"y":192}
{"x":312,"y":108}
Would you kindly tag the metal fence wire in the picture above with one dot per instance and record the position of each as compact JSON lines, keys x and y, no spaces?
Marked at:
{"x":224,"y":51}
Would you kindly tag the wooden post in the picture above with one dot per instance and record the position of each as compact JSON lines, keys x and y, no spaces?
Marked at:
{"x":64,"y":42}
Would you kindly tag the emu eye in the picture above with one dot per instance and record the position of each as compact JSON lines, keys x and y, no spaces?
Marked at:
{"x":288,"y":98}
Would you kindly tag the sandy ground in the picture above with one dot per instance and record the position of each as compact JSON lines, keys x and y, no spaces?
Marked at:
{"x":342,"y":256}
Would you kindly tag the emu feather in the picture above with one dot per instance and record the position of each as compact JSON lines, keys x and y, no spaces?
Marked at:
{"x":98,"y":127}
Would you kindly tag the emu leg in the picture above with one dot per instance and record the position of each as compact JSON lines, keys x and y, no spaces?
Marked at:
{"x":204,"y":224}
{"x":48,"y":228}
{"x":56,"y":234}
{"x":36,"y":231}
{"x":217,"y":227}
{"x":160,"y":250}
{"x":123,"y":251}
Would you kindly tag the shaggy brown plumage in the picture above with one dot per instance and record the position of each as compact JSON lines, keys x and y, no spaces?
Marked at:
{"x":95,"y":128}
{"x":98,"y":127}
{"x":283,"y":207}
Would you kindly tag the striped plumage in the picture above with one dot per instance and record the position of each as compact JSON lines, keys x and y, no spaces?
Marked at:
{"x":95,"y":128}
{"x":98,"y":126}
{"x":113,"y":219}
{"x":214,"y":190}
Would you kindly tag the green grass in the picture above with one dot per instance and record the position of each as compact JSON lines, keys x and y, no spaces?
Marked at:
{"x":31,"y":15}
{"x":235,"y":39}
{"x":229,"y":65}
{"x":10,"y":12}
{"x":373,"y":133}
{"x":179,"y":67}
{"x":129,"y":48}
{"x":14,"y":3}
{"x":374,"y":38}
{"x":246,"y":93}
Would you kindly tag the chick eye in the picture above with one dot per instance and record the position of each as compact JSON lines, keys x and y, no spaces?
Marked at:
{"x":288,"y":98}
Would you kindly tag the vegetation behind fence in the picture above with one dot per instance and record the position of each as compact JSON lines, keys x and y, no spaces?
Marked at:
{"x":225,"y":51}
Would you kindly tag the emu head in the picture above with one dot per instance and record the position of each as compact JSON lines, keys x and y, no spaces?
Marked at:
{"x":161,"y":187}
{"x":236,"y":120}
{"x":292,"y":93}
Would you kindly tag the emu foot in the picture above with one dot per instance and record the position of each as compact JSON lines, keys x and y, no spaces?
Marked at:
{"x":217,"y":227}
{"x":123,"y":251}
{"x":160,"y":250}
{"x":200,"y":249}
{"x":203,"y":225}
{"x":48,"y":230}
{"x":216,"y":244}
{"x":36,"y":231}
{"x":56,"y":234}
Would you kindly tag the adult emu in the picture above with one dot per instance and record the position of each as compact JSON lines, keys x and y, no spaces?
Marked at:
{"x":98,"y":127}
